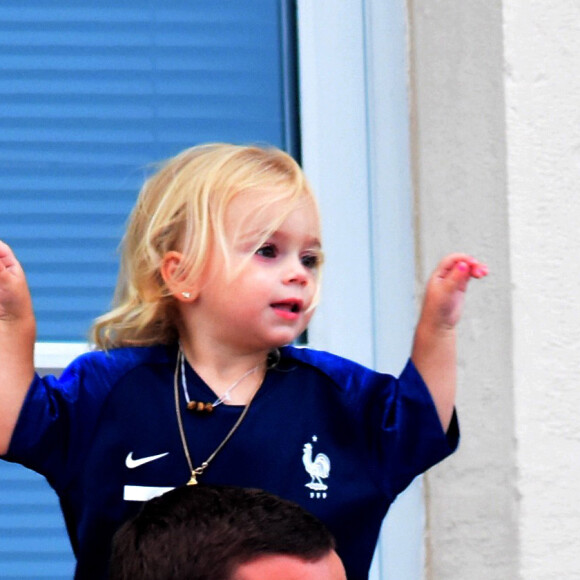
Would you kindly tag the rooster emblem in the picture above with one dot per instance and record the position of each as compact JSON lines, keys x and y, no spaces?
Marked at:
{"x":318,"y":469}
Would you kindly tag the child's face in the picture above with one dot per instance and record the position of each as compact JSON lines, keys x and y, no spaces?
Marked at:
{"x":261,"y":299}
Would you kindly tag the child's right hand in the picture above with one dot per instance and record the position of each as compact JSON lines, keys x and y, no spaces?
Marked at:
{"x":17,"y":335}
{"x":15,"y":301}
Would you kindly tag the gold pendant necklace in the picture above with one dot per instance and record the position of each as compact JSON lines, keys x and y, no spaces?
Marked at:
{"x":198,"y":471}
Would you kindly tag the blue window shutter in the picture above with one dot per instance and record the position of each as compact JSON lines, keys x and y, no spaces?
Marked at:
{"x":33,"y":539}
{"x":91,"y":93}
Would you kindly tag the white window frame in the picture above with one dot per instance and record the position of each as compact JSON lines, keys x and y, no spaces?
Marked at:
{"x":355,"y":150}
{"x":57,"y":355}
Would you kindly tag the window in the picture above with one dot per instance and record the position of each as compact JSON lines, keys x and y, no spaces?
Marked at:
{"x":92,"y":93}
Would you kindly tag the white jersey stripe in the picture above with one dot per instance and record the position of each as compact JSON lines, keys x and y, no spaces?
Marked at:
{"x":143,"y":492}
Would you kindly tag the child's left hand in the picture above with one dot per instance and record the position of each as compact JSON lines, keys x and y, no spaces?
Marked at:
{"x":445,"y":291}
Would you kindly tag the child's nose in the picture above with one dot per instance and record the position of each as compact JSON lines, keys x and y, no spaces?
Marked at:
{"x":296,"y":273}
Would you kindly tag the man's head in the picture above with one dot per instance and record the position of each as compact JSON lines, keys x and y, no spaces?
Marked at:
{"x":224,"y":533}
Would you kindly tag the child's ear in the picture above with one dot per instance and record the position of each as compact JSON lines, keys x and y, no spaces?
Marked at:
{"x":180,"y":288}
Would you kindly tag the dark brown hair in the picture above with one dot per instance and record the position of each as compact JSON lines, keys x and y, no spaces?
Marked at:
{"x":205,"y":532}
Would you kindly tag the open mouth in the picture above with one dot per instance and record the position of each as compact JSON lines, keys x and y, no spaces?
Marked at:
{"x":288,"y":306}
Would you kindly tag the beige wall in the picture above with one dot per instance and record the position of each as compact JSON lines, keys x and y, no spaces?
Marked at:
{"x":496,"y":161}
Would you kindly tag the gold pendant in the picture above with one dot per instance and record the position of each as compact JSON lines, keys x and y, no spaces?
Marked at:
{"x":193,"y":480}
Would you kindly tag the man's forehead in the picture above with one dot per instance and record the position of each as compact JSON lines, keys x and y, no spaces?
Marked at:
{"x":283,"y":567}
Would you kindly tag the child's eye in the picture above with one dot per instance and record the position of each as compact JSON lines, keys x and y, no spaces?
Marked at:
{"x":267,"y":251}
{"x":310,"y":261}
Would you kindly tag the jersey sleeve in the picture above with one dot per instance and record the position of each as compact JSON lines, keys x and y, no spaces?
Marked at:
{"x":58,"y":419}
{"x":410,"y":438}
{"x":394,"y":417}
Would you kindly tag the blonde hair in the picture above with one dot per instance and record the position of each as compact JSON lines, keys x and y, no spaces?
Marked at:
{"x":183,"y":207}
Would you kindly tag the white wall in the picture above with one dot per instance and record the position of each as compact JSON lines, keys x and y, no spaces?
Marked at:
{"x":496,"y":154}
{"x":542,"y":80}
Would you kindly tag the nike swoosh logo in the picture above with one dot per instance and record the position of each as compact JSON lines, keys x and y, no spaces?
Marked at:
{"x":132,"y":463}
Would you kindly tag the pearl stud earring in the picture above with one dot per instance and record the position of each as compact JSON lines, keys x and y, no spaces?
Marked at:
{"x":186,"y":294}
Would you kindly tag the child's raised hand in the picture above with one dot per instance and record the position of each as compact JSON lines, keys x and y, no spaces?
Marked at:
{"x":17,"y":334}
{"x":445,"y":291}
{"x":15,"y":302}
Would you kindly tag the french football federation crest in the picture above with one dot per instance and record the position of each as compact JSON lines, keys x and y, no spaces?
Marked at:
{"x":318,"y":469}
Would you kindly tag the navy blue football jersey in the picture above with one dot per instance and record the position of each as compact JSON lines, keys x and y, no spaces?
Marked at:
{"x":339,"y":439}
